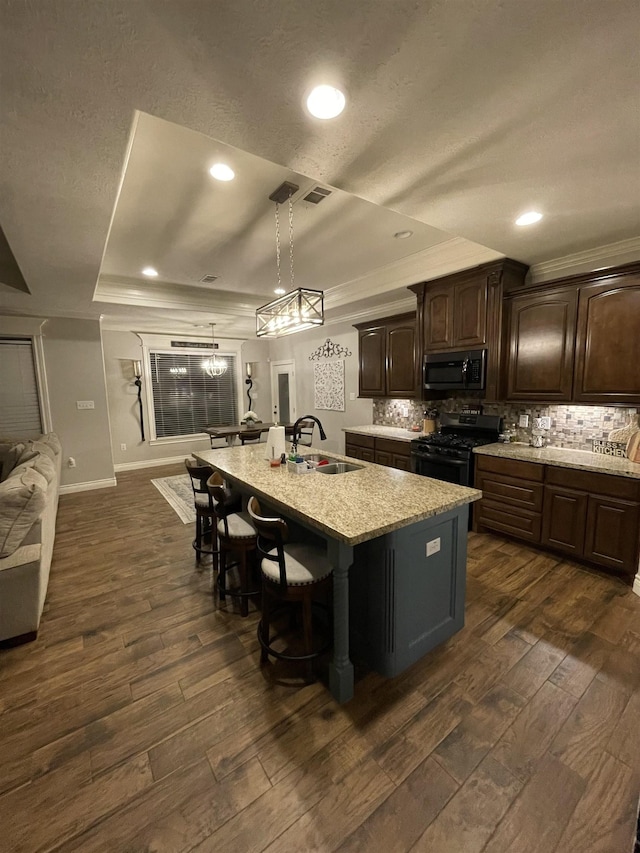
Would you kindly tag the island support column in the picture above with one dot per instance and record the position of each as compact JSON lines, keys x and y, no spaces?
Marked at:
{"x":341,"y":668}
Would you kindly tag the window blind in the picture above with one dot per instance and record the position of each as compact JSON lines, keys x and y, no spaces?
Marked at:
{"x":19,"y":404}
{"x":186,"y":399}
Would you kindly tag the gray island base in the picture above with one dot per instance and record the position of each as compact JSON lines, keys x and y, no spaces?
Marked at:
{"x":397,"y":543}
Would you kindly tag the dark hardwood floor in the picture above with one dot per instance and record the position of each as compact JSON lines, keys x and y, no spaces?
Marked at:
{"x":140,"y":719}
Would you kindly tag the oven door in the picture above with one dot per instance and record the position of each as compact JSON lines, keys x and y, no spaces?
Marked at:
{"x":442,"y":467}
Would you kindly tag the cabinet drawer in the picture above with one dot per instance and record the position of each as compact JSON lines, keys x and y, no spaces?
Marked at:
{"x":513,"y":521}
{"x":388,"y":445}
{"x":360,"y":440}
{"x":511,"y":468}
{"x":522,"y":493}
{"x":594,"y":483}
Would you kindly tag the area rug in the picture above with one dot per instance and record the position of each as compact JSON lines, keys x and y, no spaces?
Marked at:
{"x":178,"y":493}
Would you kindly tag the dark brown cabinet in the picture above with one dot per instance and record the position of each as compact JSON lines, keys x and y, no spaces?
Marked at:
{"x":463,"y":311}
{"x":592,"y":517}
{"x":541,"y":335}
{"x":387,"y":357}
{"x":455,"y":315}
{"x":608,"y":342}
{"x":382,"y":451}
{"x":575,"y":340}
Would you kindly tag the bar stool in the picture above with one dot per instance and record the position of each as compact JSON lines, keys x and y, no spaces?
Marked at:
{"x":248,"y":437}
{"x":205,"y":511}
{"x":291,"y":574}
{"x":236,"y":536}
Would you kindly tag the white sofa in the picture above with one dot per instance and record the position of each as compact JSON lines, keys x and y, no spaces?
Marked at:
{"x":29,"y":489}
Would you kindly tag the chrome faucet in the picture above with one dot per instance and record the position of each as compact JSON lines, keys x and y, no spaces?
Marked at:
{"x":296,"y":427}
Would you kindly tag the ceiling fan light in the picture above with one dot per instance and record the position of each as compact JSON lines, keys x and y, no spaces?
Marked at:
{"x":325,"y":102}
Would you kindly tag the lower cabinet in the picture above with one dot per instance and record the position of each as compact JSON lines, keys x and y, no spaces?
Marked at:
{"x":588,"y":516}
{"x":382,"y":451}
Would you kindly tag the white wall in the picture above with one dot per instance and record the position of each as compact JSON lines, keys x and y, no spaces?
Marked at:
{"x":298,"y":348}
{"x":74,"y":371}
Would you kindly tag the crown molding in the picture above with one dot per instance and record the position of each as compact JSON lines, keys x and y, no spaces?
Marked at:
{"x":447,"y":257}
{"x":175,"y":298}
{"x":589,"y":260}
{"x":398,"y":306}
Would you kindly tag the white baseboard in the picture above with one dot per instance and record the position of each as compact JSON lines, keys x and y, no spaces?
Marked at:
{"x":636,"y":584}
{"x":149,"y":463}
{"x":87,"y":487}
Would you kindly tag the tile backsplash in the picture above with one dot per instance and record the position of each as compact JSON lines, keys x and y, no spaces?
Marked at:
{"x":571,"y":426}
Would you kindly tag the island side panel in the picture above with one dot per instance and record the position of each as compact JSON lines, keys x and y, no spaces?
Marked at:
{"x":404,"y":602}
{"x":340,"y":668}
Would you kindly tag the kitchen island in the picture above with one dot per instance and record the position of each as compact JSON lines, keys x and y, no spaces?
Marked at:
{"x":397,"y":543}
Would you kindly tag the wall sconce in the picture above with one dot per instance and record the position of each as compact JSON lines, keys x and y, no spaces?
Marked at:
{"x":137,"y":372}
{"x":248,"y":381}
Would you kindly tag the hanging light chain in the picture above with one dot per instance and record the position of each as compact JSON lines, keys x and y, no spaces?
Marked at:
{"x":278,"y":244}
{"x":291,"y":240}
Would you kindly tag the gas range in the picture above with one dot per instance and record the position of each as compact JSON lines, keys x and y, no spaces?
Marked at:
{"x":459,"y":434}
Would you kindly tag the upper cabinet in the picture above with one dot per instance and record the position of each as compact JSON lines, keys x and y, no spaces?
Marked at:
{"x":608,"y":342}
{"x":541,"y":331}
{"x":387,"y":357}
{"x":455,"y":316}
{"x":576,"y":340}
{"x":463,"y":311}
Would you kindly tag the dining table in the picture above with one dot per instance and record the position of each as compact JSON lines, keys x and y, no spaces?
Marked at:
{"x":233,"y":431}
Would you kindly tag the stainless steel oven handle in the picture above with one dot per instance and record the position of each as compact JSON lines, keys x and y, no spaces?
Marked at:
{"x":442,"y":460}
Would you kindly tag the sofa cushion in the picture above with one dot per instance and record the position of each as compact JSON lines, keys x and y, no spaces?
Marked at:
{"x":51,"y":439}
{"x":10,"y":459}
{"x":39,"y":462}
{"x":23,"y":497}
{"x":39,"y":446}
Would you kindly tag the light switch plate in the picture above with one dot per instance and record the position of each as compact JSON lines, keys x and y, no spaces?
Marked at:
{"x":85,"y":404}
{"x":523,"y":421}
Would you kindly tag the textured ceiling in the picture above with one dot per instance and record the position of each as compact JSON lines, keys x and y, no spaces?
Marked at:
{"x":460,"y":114}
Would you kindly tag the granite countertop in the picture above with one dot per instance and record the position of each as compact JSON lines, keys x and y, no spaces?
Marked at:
{"x":563,"y":457}
{"x":351,"y":507}
{"x":380,"y":431}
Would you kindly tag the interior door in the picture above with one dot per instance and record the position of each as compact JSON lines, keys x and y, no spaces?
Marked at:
{"x":283,"y":392}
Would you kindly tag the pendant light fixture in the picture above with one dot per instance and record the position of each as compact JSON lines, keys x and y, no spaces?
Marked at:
{"x":299,"y":309}
{"x":214,"y":366}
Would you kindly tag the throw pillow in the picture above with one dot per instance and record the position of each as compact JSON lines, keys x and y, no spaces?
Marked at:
{"x":22,"y":497}
{"x":10,"y":459}
{"x":42,"y":447}
{"x":53,"y":441}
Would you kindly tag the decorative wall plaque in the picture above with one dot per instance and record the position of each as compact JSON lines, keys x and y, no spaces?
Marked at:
{"x":328,"y":385}
{"x":329,"y":350}
{"x":609,"y":448}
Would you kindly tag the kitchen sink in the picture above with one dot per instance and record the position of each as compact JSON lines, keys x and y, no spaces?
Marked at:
{"x":318,"y":457}
{"x":338,"y":468}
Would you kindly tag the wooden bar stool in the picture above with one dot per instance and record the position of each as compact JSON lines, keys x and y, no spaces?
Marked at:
{"x":292,"y":574}
{"x":205,"y":511}
{"x":236,"y":536}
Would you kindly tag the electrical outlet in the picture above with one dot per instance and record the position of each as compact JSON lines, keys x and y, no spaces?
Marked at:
{"x":523,"y":421}
{"x":352,"y":395}
{"x":433,"y":546}
{"x":405,"y":411}
{"x":85,"y":404}
{"x":123,"y":447}
{"x":545,"y":423}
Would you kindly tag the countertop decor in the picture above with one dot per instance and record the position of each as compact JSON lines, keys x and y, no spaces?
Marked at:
{"x":563,"y":457}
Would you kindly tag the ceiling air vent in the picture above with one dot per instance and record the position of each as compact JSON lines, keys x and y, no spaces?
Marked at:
{"x":316,"y":195}
{"x":209,"y":278}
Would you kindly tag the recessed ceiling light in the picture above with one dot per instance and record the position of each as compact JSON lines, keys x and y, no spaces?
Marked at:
{"x":529,"y":218}
{"x":403,"y":235}
{"x":222,"y":172}
{"x":279,"y":291}
{"x":325,"y":102}
{"x":150,"y":271}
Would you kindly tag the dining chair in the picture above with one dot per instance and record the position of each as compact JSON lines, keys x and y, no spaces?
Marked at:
{"x":292,"y":575}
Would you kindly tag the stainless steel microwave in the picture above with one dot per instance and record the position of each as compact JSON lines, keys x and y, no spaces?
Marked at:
{"x":455,"y":371}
